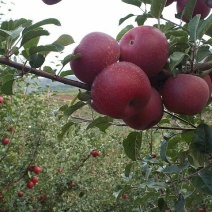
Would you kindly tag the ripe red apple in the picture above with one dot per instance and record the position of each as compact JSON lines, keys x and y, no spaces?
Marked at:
{"x":125,"y":196}
{"x":71,"y":185}
{"x":1,"y":99}
{"x":185,"y":94}
{"x":11,"y":129}
{"x":93,"y":106}
{"x":209,"y":3}
{"x":149,"y":115}
{"x":209,"y":82}
{"x":31,"y":168}
{"x":98,"y":50}
{"x":168,"y":2}
{"x":37,"y":170}
{"x":60,"y":170}
{"x":34,"y":179}
{"x":20,"y":194}
{"x":5,"y":141}
{"x":30,"y":184}
{"x":145,"y":46}
{"x":95,"y":153}
{"x":51,"y":2}
{"x":42,"y":198}
{"x":120,"y":90}
{"x":154,"y":155}
{"x":200,"y":8}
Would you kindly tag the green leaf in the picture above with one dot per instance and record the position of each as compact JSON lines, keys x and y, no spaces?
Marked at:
{"x":132,"y":145}
{"x":66,"y":73}
{"x":45,"y":49}
{"x":157,"y":8}
{"x":41,"y":23}
{"x":180,"y":204}
{"x":48,"y":69}
{"x":162,"y":205}
{"x":163,"y":151}
{"x":206,"y":176}
{"x":189,"y":8}
{"x":204,"y":27}
{"x":73,"y":108}
{"x":140,"y":19}
{"x":7,"y":87}
{"x":192,"y":26}
{"x":64,"y":40}
{"x":32,"y":42}
{"x":101,"y":122}
{"x":203,"y":52}
{"x":36,"y":60}
{"x":172,"y":169}
{"x":175,"y":59}
{"x":133,"y":2}
{"x":125,"y":18}
{"x":83,"y":96}
{"x":123,"y":31}
{"x":128,"y":168}
{"x":65,"y":129}
{"x":5,"y":33}
{"x":69,"y":58}
{"x":203,"y":138}
{"x":32,"y":34}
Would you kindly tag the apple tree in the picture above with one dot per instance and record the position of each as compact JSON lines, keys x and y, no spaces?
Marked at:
{"x":155,"y":81}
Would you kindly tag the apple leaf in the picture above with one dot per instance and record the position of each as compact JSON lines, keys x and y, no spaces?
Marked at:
{"x":204,"y":27}
{"x":189,"y":8}
{"x":140,"y":19}
{"x":192,"y":26}
{"x":64,"y":130}
{"x":132,"y":145}
{"x":125,"y":18}
{"x":203,"y":52}
{"x":36,"y":60}
{"x":162,"y":204}
{"x":101,"y":122}
{"x":180,"y":204}
{"x":175,"y":59}
{"x":7,"y":87}
{"x":70,"y":110}
{"x":203,"y":138}
{"x":44,"y":49}
{"x":66,"y":73}
{"x":69,"y":58}
{"x":48,"y":69}
{"x":64,"y":40}
{"x":163,"y":151}
{"x":128,"y":169}
{"x":123,"y":31}
{"x":157,"y":8}
{"x":133,"y":2}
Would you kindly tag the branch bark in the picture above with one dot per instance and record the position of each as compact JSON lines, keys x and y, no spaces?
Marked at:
{"x":27,"y":69}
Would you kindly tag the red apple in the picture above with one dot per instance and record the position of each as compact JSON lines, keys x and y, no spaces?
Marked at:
{"x":95,"y":153}
{"x":71,"y":185}
{"x":31,"y":168}
{"x":11,"y":129}
{"x":120,"y":90}
{"x":30,"y":184}
{"x":145,"y":46}
{"x":5,"y":141}
{"x":1,"y":99}
{"x":37,"y":170}
{"x":42,"y":198}
{"x":168,"y":2}
{"x":200,"y":8}
{"x":209,"y":3}
{"x":185,"y":94}
{"x":154,"y":155}
{"x":97,"y":50}
{"x":149,"y":115}
{"x":34,"y":179}
{"x":51,"y":2}
{"x":125,"y":196}
{"x":209,"y":82}
{"x":20,"y":194}
{"x":60,"y":170}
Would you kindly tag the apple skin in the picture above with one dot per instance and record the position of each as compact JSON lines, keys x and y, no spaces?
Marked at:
{"x":98,"y":50}
{"x":200,"y":8}
{"x":30,"y":184}
{"x":120,"y":90}
{"x":209,"y":3}
{"x":146,"y":47}
{"x":20,"y":194}
{"x":5,"y":141}
{"x":209,"y":82}
{"x":37,"y":170}
{"x":51,"y":2}
{"x":148,"y":116}
{"x":168,"y":2}
{"x":1,"y":99}
{"x":185,"y":94}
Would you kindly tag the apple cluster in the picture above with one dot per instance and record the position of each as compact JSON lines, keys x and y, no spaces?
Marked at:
{"x":120,"y":73}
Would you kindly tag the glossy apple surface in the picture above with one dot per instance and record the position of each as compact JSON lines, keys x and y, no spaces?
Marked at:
{"x":146,"y":47}
{"x":148,"y":116}
{"x":120,"y":90}
{"x":98,"y":50}
{"x":51,"y":2}
{"x":1,"y":99}
{"x":209,"y":82}
{"x":200,"y":8}
{"x":185,"y":94}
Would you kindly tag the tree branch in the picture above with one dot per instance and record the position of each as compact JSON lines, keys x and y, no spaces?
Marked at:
{"x":26,"y":69}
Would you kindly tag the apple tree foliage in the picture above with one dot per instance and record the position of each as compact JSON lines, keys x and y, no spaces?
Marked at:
{"x":169,"y":167}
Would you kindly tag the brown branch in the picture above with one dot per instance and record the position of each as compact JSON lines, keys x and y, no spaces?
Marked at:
{"x":203,"y":66}
{"x":26,"y":69}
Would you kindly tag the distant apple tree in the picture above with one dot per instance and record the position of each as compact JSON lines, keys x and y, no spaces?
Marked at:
{"x":159,"y":90}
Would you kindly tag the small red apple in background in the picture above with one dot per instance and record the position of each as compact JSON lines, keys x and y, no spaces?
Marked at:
{"x":30,"y":184}
{"x":42,"y":198}
{"x":20,"y":194}
{"x":185,"y":94}
{"x":31,"y":168}
{"x":51,"y":2}
{"x":5,"y":141}
{"x":154,"y":155}
{"x":1,"y":99}
{"x":146,"y":47}
{"x":107,"y":154}
{"x":209,"y":3}
{"x":60,"y":170}
{"x":149,"y":115}
{"x":125,"y":196}
{"x":95,"y":153}
{"x":98,"y":50}
{"x":71,"y":185}
{"x":37,"y":170}
{"x":34,"y":179}
{"x":120,"y":90}
{"x":168,"y":2}
{"x":11,"y":129}
{"x":201,"y":210}
{"x":200,"y":8}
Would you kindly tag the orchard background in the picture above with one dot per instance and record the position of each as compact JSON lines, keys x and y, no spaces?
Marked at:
{"x":59,"y":154}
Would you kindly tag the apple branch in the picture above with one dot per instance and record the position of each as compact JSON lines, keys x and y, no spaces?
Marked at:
{"x":27,"y":69}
